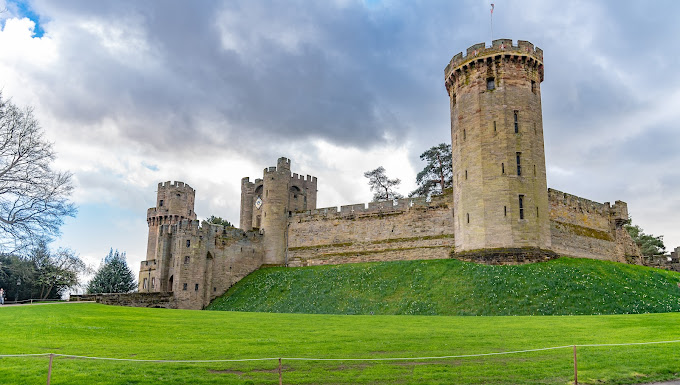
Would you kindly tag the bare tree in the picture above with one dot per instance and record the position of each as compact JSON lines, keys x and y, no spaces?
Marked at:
{"x":33,"y":197}
{"x":381,"y":185}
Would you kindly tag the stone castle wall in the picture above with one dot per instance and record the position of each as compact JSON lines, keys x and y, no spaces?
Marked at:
{"x":201,"y":262}
{"x":407,"y":229}
{"x":585,"y":229}
{"x":156,"y":300}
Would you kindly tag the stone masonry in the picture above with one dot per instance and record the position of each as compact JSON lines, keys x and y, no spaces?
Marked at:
{"x":499,"y":209}
{"x":499,"y":190}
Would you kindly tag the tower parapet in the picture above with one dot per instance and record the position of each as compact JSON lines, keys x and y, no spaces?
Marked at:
{"x":499,"y":190}
{"x":500,"y":48}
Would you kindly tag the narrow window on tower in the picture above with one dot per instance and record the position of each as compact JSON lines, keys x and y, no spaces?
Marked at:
{"x":516,"y":114}
{"x":490,"y":84}
{"x":468,"y":218}
{"x":533,"y":86}
{"x":465,"y":174}
{"x":502,"y":168}
{"x":464,"y":135}
{"x":196,"y":287}
{"x":519,"y":164}
{"x":521,"y":207}
{"x":160,"y":204}
{"x":494,"y":126}
{"x":536,"y":211}
{"x":505,"y":211}
{"x":184,"y":286}
{"x":188,"y":242}
{"x":534,"y":170}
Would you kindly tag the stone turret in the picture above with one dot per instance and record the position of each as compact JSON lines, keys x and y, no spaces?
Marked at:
{"x":174,"y":203}
{"x":247,"y":196}
{"x":500,"y":192}
{"x":267,"y":203}
{"x":276,"y":187}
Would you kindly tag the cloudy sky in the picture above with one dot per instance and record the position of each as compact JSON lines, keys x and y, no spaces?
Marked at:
{"x":133,"y":93}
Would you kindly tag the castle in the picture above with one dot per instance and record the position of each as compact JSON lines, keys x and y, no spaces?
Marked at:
{"x":499,"y":210}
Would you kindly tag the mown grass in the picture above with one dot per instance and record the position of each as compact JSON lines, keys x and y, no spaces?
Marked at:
{"x":161,"y":334}
{"x":566,"y":286}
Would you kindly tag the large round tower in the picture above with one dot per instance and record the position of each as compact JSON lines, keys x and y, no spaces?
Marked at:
{"x":500,"y":194}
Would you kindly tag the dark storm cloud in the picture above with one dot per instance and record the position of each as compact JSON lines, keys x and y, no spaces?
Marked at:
{"x":347,"y":74}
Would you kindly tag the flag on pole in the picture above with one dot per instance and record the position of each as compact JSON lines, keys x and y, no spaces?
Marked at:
{"x":492,"y":8}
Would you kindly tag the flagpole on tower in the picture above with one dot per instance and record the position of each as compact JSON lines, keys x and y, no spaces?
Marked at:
{"x":491,"y":23}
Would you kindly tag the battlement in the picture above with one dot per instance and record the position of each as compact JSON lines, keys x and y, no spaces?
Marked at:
{"x":576,"y":201}
{"x":282,"y":164}
{"x":246,"y":182}
{"x":297,"y":177}
{"x":151,"y":212}
{"x":619,"y":211}
{"x":363,"y":209}
{"x":174,"y":185}
{"x":499,"y":48}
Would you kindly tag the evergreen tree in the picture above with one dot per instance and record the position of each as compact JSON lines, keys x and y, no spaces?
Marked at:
{"x":381,"y":185}
{"x":219,"y":221}
{"x":649,"y":244}
{"x":438,"y":172}
{"x":114,"y":276}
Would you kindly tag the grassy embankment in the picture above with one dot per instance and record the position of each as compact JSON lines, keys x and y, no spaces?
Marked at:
{"x":108,"y":331}
{"x":566,"y":286}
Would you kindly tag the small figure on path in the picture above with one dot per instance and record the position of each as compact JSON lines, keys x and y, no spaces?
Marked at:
{"x":2,"y":296}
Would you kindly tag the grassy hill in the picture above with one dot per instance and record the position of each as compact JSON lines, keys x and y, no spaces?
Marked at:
{"x":160,"y":334}
{"x":566,"y":286}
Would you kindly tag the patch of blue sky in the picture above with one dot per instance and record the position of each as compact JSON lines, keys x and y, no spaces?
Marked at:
{"x":151,"y":167}
{"x":24,"y":9}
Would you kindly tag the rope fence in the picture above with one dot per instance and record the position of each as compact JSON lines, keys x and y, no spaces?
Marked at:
{"x":281,"y":359}
{"x":32,"y":300}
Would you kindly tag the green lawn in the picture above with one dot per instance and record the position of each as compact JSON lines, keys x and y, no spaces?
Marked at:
{"x":119,"y":332}
{"x":566,"y":286}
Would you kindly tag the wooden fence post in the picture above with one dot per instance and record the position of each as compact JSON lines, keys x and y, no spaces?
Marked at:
{"x":280,"y":375}
{"x":575,"y":368}
{"x":49,"y":369}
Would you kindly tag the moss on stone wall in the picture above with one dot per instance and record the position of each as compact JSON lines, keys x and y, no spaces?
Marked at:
{"x":367,"y":252}
{"x":584,"y":231}
{"x":345,"y":244}
{"x":378,"y":242}
{"x":424,"y":238}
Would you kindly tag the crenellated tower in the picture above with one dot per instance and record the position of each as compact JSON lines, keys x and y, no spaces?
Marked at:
{"x":174,"y":203}
{"x":500,"y":192}
{"x":267,"y":203}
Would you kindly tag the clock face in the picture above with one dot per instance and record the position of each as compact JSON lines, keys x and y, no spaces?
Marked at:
{"x":258,"y":203}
